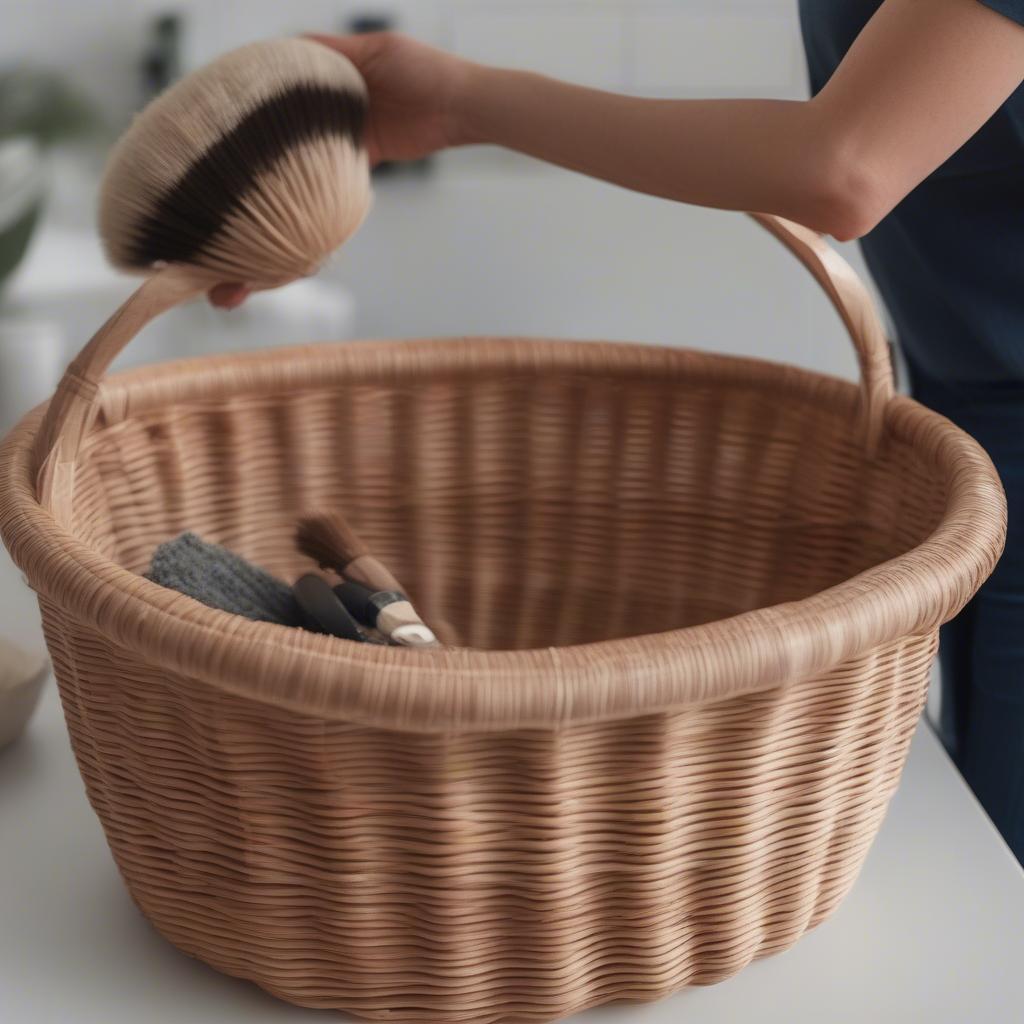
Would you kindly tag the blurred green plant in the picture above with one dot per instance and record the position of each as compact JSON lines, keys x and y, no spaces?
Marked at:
{"x":38,"y":109}
{"x":14,"y":240}
{"x":45,"y":107}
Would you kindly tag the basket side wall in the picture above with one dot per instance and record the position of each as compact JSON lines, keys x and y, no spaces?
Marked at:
{"x":519,"y":876}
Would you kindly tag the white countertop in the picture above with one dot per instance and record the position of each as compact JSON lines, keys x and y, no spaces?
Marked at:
{"x":933,"y":930}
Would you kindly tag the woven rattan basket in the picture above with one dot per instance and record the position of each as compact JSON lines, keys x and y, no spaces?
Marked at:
{"x":698,"y":599}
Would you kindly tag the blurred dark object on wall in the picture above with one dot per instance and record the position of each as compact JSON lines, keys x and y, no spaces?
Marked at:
{"x":161,"y":59}
{"x":374,"y":21}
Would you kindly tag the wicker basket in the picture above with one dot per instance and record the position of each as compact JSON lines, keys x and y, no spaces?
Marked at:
{"x":699,"y":599}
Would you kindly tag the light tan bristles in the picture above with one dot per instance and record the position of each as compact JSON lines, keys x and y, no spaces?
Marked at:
{"x":250,"y":170}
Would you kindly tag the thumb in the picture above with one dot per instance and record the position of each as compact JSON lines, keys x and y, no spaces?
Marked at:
{"x":228,"y":296}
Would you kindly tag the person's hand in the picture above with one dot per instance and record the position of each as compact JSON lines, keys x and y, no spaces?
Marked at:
{"x":414,"y":106}
{"x":415,"y":93}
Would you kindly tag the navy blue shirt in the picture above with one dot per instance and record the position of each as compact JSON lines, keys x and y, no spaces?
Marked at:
{"x":949,"y":259}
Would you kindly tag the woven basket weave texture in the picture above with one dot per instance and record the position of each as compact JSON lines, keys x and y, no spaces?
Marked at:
{"x":696,"y":613}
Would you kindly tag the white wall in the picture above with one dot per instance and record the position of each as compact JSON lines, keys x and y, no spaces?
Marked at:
{"x":685,"y":47}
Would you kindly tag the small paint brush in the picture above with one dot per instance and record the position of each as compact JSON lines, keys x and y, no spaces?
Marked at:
{"x":332,"y":543}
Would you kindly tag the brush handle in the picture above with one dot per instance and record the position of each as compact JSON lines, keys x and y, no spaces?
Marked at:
{"x":370,"y":571}
{"x":857,"y":310}
{"x":71,"y":409}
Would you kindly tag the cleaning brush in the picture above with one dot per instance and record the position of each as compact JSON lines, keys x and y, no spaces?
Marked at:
{"x":249,"y":171}
{"x":252,"y":168}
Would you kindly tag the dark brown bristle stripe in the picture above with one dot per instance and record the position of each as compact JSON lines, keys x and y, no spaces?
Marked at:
{"x":196,"y":206}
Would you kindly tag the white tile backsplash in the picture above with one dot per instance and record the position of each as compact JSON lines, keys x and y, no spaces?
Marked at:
{"x":660,"y":47}
{"x":215,"y":27}
{"x":717,"y":52}
{"x":495,"y":251}
{"x":583,"y":46}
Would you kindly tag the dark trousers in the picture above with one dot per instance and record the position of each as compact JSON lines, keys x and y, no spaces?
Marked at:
{"x":981,"y":652}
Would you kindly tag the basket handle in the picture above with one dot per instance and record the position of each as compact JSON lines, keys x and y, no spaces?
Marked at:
{"x":856,"y":308}
{"x":71,"y":410}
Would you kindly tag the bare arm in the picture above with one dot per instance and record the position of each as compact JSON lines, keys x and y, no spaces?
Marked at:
{"x":919,"y":81}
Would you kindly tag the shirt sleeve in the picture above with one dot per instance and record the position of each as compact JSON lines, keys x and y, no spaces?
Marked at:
{"x":1013,"y":9}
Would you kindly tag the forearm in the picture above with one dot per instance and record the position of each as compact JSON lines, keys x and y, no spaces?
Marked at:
{"x":766,"y":155}
{"x":921,"y":78}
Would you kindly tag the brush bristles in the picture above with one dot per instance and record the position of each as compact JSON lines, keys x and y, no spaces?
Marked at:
{"x":253,"y":168}
{"x":332,"y":543}
{"x":329,"y":541}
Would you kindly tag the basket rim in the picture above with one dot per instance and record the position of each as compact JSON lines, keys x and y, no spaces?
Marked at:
{"x":459,"y":689}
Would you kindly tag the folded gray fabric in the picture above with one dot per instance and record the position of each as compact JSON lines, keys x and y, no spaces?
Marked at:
{"x":221,"y":579}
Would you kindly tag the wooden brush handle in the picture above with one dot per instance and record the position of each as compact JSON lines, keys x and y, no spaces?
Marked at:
{"x":855,"y":306}
{"x":72,"y":407}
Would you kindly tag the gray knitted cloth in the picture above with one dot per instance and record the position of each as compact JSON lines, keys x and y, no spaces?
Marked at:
{"x":220,"y":579}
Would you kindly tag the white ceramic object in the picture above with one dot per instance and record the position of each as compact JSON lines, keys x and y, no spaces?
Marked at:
{"x":21,"y":681}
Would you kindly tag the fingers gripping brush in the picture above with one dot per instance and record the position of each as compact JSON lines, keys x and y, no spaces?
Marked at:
{"x":250,"y":170}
